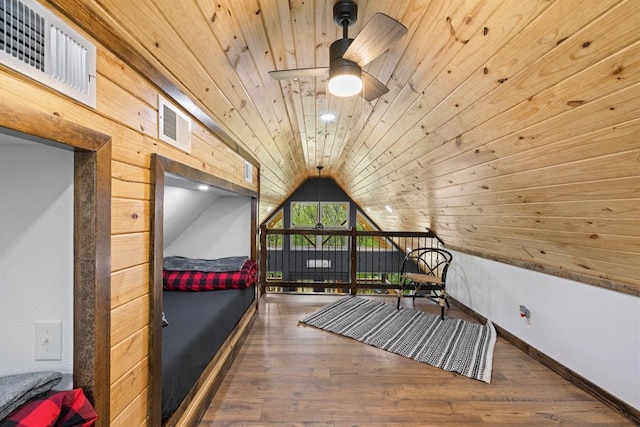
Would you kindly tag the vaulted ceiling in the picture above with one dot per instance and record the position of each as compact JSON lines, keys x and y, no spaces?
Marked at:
{"x":511,"y":128}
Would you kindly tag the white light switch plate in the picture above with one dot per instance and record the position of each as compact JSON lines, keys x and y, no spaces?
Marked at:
{"x":49,"y":340}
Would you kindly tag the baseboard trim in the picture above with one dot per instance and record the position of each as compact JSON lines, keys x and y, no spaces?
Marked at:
{"x":574,"y":378}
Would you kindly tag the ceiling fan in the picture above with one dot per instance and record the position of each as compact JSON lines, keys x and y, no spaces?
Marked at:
{"x":348,"y":56}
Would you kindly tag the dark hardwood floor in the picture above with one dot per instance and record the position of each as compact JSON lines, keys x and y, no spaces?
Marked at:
{"x":288,"y":374}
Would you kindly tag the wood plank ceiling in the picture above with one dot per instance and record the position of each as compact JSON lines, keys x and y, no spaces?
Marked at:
{"x":511,"y":128}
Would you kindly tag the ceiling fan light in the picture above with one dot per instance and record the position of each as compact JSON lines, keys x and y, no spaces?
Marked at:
{"x":345,"y":85}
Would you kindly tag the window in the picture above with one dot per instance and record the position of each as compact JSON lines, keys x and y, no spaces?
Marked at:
{"x":334,"y":215}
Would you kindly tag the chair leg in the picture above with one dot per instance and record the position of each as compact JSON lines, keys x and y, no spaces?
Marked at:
{"x":443,"y":300}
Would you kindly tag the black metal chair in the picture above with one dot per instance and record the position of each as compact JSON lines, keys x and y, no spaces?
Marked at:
{"x":424,"y":271}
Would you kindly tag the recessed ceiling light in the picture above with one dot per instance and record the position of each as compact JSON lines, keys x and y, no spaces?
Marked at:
{"x":327,"y":117}
{"x":203,"y":187}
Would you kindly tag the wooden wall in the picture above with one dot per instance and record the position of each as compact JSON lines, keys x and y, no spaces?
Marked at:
{"x":511,"y":128}
{"x":127,"y":111}
{"x":513,"y":132}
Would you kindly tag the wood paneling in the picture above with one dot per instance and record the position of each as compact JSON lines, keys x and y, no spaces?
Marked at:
{"x":129,"y":216}
{"x":128,"y":319}
{"x":127,"y":112}
{"x":133,"y":348}
{"x":135,"y":414}
{"x":129,"y":284}
{"x":510,"y":128}
{"x":91,"y":238}
{"x":523,"y":110}
{"x":129,"y":250}
{"x":128,"y":388}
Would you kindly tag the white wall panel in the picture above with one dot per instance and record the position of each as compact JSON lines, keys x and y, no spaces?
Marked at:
{"x":593,"y":331}
{"x":36,"y":252}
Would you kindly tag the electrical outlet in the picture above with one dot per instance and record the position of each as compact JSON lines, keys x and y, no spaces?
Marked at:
{"x":49,"y":340}
{"x":525,"y":314}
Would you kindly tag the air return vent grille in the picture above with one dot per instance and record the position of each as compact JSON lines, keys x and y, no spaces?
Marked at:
{"x":174,"y":127}
{"x":248,"y":172}
{"x":36,"y":43}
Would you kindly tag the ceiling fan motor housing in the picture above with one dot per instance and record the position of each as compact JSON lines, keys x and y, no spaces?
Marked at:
{"x":338,"y":64}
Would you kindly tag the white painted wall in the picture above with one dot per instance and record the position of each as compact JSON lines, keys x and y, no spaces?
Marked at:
{"x":223,"y":229}
{"x":36,"y":251}
{"x":593,"y":331}
{"x":181,"y":207}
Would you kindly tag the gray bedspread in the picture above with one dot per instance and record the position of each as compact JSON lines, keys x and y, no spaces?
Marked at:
{"x":17,"y":389}
{"x":178,"y":263}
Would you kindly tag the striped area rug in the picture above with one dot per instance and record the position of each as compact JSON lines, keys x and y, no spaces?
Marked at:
{"x":451,"y":344}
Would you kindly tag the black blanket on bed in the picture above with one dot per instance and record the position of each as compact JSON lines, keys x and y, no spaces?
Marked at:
{"x":199,"y":323}
{"x":178,"y":263}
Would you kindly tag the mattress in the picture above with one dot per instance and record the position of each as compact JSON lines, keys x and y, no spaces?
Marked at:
{"x":199,"y":323}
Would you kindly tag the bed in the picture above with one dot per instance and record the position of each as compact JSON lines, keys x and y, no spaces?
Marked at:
{"x":203,"y":301}
{"x":36,"y":399}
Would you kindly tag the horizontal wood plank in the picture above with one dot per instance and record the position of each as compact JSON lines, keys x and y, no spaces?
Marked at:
{"x":127,"y":389}
{"x":129,"y":284}
{"x":128,"y":319}
{"x":129,"y":353}
{"x":129,"y":250}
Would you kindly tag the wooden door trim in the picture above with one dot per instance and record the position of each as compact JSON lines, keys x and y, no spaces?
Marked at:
{"x":92,"y":243}
{"x":159,"y":166}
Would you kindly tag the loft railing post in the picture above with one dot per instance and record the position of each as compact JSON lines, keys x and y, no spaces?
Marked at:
{"x":263,"y":258}
{"x":354,"y":260}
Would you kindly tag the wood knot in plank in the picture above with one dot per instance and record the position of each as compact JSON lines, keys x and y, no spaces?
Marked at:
{"x":576,"y":103}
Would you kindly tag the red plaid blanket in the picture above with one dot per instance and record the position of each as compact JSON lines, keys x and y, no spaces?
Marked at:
{"x":60,"y":409}
{"x":210,"y":281}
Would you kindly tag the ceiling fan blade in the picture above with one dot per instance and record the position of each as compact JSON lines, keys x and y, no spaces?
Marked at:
{"x":372,"y":87}
{"x":299,"y":73}
{"x":375,"y":38}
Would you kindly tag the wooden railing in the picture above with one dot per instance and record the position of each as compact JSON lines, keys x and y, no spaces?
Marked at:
{"x":335,"y":260}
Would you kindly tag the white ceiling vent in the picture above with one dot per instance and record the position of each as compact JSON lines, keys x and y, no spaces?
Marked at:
{"x":248,"y":172}
{"x":34,"y":42}
{"x":174,"y":127}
